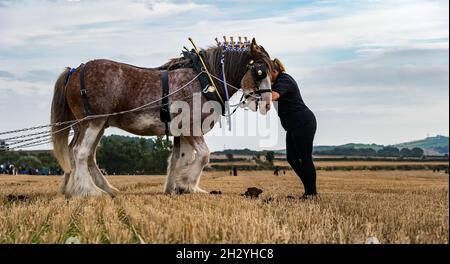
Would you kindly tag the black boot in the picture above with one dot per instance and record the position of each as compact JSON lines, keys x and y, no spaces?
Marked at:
{"x":308,"y":195}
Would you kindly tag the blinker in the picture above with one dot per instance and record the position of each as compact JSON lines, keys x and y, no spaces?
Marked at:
{"x":260,"y":72}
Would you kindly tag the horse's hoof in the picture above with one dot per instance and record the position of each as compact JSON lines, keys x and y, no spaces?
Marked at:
{"x":181,"y":190}
{"x":199,"y":190}
{"x":112,"y":191}
{"x":85,"y":192}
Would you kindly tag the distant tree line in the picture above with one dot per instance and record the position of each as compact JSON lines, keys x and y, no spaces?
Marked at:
{"x":245,"y":152}
{"x":115,"y":154}
{"x":29,"y":162}
{"x":369,"y":152}
{"x":133,"y":155}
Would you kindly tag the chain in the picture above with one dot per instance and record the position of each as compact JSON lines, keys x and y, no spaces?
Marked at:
{"x":37,"y":127}
{"x":71,"y":123}
{"x":25,"y":136}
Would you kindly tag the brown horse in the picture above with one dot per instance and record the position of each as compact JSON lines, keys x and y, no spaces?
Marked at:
{"x":114,"y":87}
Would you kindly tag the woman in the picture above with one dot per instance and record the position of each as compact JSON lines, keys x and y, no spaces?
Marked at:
{"x":300,"y":125}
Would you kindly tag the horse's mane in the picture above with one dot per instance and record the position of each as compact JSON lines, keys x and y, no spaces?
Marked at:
{"x":235,"y":62}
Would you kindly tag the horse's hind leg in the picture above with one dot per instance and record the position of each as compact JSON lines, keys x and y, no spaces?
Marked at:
{"x":72,"y":161}
{"x":67,"y":173}
{"x":80,"y":182}
{"x":98,"y":177}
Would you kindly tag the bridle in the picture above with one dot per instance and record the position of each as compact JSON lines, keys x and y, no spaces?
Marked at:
{"x":259,"y":73}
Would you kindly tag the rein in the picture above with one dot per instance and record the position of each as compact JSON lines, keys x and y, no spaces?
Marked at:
{"x":225,"y":87}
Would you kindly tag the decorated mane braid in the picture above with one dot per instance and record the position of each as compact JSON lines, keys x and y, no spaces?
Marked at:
{"x":239,"y":46}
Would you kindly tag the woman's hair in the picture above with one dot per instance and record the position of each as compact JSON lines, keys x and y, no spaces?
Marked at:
{"x":278,"y":65}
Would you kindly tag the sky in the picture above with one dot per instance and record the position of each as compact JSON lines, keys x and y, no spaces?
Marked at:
{"x":372,"y":71}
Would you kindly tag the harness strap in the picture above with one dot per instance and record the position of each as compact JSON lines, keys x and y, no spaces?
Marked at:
{"x":164,"y":113}
{"x":83,"y":92}
{"x":225,"y":88}
{"x":203,"y":79}
{"x":72,"y":70}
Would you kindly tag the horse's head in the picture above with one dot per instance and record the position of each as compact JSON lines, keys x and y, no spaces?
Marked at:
{"x":256,"y":82}
{"x":247,"y":65}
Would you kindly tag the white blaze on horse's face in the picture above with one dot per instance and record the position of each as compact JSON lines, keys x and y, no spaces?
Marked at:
{"x":266,"y":98}
{"x":252,"y":105}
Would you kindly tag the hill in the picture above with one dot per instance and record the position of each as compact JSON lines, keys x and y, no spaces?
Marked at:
{"x":438,"y":144}
{"x":375,"y":147}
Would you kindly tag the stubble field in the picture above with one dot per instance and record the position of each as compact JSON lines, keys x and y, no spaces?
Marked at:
{"x":394,"y":206}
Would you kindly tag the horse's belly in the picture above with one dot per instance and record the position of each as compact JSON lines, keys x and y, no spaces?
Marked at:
{"x":142,"y":124}
{"x":149,"y":124}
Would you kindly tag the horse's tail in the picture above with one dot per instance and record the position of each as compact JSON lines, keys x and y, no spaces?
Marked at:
{"x":60,"y":112}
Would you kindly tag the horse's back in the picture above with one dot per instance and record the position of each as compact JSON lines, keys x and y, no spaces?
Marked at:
{"x":112,"y":87}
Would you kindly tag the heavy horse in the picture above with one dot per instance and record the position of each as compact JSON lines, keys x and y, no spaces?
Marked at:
{"x":105,"y":87}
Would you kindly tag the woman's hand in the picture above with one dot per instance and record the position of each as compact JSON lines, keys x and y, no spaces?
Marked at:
{"x":275,"y":96}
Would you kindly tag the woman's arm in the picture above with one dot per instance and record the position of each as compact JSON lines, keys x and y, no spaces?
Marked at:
{"x":281,"y":87}
{"x":275,"y":96}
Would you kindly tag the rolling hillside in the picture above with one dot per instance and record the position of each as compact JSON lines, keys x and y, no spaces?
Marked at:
{"x":438,"y":144}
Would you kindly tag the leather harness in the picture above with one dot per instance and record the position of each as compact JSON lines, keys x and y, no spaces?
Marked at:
{"x":165,"y":117}
{"x":83,"y":92}
{"x":164,"y":113}
{"x":196,"y":65}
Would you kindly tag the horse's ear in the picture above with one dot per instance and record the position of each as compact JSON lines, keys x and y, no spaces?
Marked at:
{"x":254,"y":49}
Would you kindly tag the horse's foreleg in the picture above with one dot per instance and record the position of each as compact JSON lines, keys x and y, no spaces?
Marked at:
{"x":181,"y":167}
{"x":188,"y":182}
{"x":201,"y":160}
{"x":80,"y":182}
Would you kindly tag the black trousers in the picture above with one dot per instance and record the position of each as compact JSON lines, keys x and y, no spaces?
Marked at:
{"x":299,"y":147}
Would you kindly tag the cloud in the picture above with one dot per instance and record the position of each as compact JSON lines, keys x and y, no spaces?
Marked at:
{"x":161,"y":8}
{"x":20,"y":87}
{"x":384,"y":25}
{"x":357,"y":78}
{"x":392,"y":97}
{"x":40,"y":76}
{"x":30,"y":82}
{"x":359,"y":63}
{"x":6,"y":75}
{"x":24,"y":21}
